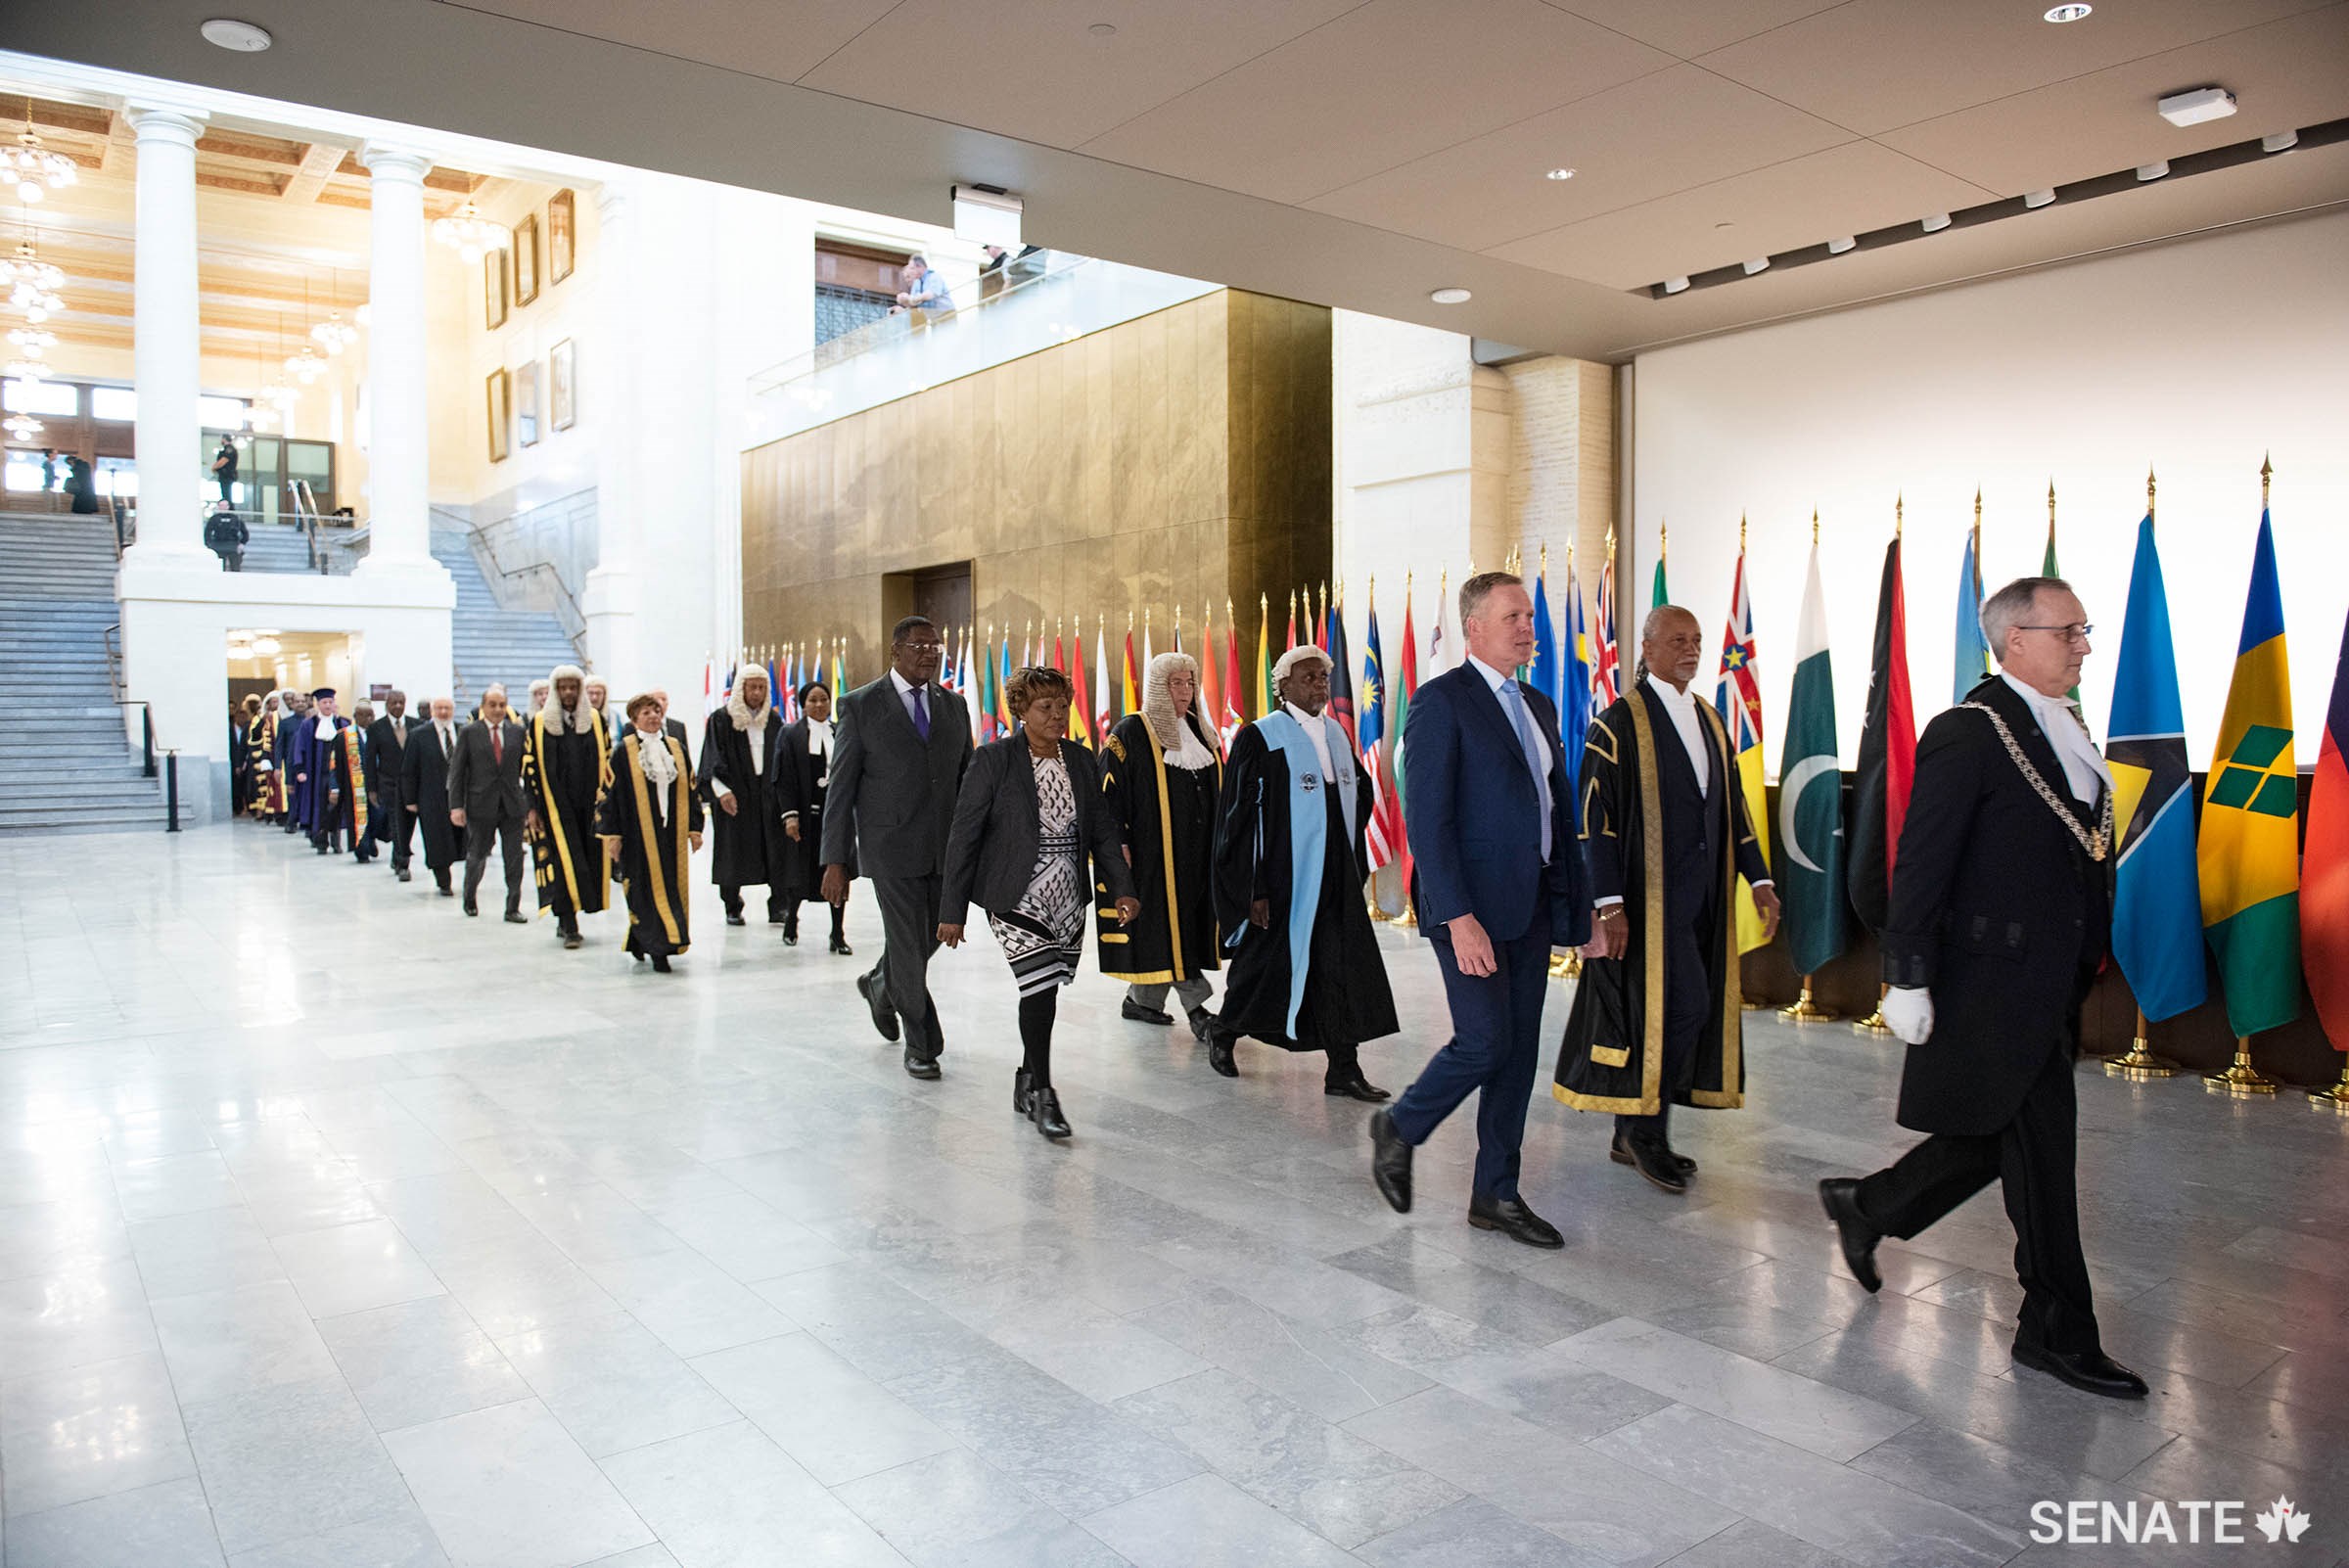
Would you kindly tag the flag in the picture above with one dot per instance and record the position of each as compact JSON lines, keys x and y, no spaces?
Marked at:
{"x":2249,"y":853}
{"x":787,"y":693}
{"x":1406,"y":683}
{"x":1177,"y":644}
{"x":1972,"y":659}
{"x":1131,"y":697}
{"x":1105,"y":699}
{"x":1141,"y":671}
{"x":839,"y":668}
{"x":1810,"y":824}
{"x":712,"y":702}
{"x":1211,"y":677}
{"x":1739,"y":700}
{"x":2048,"y":568}
{"x":1229,"y":720}
{"x":1340,"y":679}
{"x":1887,"y":753}
{"x":1293,"y":621}
{"x":1606,"y":667}
{"x":969,"y":688}
{"x":1573,"y":692}
{"x":1264,"y":656}
{"x":1059,"y":653}
{"x":1003,"y":666}
{"x":1661,"y":595}
{"x":1542,"y":673}
{"x":1081,"y":704}
{"x":2156,"y":910}
{"x":1381,"y":833}
{"x":2324,"y":867}
{"x":1441,"y":645}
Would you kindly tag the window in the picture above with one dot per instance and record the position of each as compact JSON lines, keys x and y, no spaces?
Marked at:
{"x":119,"y":476}
{"x":120,"y":404}
{"x":54,"y":398}
{"x":25,"y":471}
{"x":220,"y":413}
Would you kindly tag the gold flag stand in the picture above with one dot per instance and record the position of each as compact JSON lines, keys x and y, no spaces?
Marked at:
{"x":1569,"y":966}
{"x":2335,"y":1098}
{"x":2240,"y":1079}
{"x":1806,"y":1011}
{"x":1746,"y":1004}
{"x":2138,"y":1062}
{"x":1873,"y":1023}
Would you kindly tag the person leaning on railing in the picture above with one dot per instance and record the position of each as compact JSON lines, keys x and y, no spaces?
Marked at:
{"x":924,"y":291}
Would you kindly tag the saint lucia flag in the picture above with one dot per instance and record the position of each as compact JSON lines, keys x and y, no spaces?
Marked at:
{"x":2156,"y":919}
{"x":1973,"y":659}
{"x":1810,"y":850}
{"x":2249,"y":850}
{"x":1738,"y":698}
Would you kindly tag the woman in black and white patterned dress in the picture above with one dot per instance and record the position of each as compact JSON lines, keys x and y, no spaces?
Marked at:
{"x":1027,"y":818}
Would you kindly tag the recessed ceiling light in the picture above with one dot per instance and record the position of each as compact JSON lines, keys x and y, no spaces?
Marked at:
{"x":1559,"y":174}
{"x":1935,"y":222}
{"x":1724,"y":224}
{"x":1103,"y":29}
{"x":2153,"y":170}
{"x":1449,"y":296}
{"x":1676,"y":285}
{"x":241,"y":37}
{"x":1839,"y":247}
{"x":2279,"y":142}
{"x":2070,"y":12}
{"x":2038,"y":199}
{"x":1760,"y":263}
{"x":2195,"y":108}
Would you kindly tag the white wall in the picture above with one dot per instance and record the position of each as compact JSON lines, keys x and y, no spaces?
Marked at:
{"x":2194,"y":360}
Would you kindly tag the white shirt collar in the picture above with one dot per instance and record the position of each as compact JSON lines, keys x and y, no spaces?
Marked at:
{"x":901,"y":683}
{"x":1493,"y":678}
{"x":2084,"y":766}
{"x":1676,"y":699}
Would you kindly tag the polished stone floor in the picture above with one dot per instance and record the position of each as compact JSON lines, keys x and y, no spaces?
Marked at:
{"x":339,"y":1230}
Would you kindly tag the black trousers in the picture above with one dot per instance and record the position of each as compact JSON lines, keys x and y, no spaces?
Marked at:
{"x":2034,"y":1159}
{"x":908,"y":939}
{"x":479,"y":837}
{"x":790,"y":917}
{"x":402,"y":822}
{"x":1493,"y":1054}
{"x":1692,"y":994}
{"x":731,"y":893}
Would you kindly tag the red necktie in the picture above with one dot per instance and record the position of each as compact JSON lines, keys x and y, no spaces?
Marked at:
{"x":497,"y":744}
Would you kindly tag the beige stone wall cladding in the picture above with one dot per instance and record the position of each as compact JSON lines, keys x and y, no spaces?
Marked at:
{"x":1180,"y":458}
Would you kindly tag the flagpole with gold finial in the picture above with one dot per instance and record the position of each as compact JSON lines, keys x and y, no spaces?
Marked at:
{"x":1803,"y":1009}
{"x":2239,"y":1078}
{"x":2138,"y":1062}
{"x":1746,"y":1004}
{"x":1873,"y":1023}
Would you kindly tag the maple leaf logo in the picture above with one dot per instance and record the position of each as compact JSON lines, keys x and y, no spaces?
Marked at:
{"x":2281,"y":1520}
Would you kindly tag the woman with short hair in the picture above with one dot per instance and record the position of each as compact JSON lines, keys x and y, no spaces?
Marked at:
{"x":1160,"y":771}
{"x":803,"y":778}
{"x":650,"y":819}
{"x":1029,"y":817}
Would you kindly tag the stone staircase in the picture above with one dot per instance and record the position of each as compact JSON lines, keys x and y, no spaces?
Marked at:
{"x":280,"y":547}
{"x":69,"y":769}
{"x":491,"y":645}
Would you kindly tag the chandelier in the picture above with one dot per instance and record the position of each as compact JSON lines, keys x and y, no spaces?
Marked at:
{"x":333,"y":333}
{"x":29,"y":371}
{"x":469,"y":234}
{"x":306,"y":366}
{"x":22,"y":425}
{"x":32,"y":282}
{"x":36,"y":169}
{"x":32,"y":342}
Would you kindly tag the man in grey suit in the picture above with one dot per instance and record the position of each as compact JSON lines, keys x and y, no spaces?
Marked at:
{"x":485,"y":791}
{"x":903,"y":743}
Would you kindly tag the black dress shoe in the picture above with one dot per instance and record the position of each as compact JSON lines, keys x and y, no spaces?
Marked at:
{"x":791,"y":938}
{"x":1044,"y":1112}
{"x":1840,"y":1197}
{"x":734,"y":918}
{"x":1219,"y":1053}
{"x":1654,"y":1164}
{"x":2091,"y":1372}
{"x":445,"y":890}
{"x":1135,"y":1012}
{"x":923,"y":1068}
{"x":1023,"y":1091}
{"x":1356,"y":1087}
{"x":840,"y":945}
{"x":1513,"y":1219}
{"x":1621,"y":1154}
{"x":471,"y":907}
{"x":876,"y":997}
{"x":402,"y":874}
{"x":660,"y":963}
{"x":1202,"y":1024}
{"x":573,"y":939}
{"x":1389,"y":1162}
{"x":514,"y":918}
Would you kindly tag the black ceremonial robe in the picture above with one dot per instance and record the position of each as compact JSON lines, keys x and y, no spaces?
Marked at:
{"x":1346,"y":997}
{"x":563,"y":775}
{"x":1649,"y":839}
{"x":1166,"y":817}
{"x":424,"y":785}
{"x":748,"y":848}
{"x":655,"y":828}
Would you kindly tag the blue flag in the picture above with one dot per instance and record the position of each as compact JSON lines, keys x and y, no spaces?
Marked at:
{"x":2157,"y":905}
{"x":1973,"y":659}
{"x":1573,"y":690}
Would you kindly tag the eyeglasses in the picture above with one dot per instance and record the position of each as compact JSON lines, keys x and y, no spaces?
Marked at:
{"x":2079,"y":633}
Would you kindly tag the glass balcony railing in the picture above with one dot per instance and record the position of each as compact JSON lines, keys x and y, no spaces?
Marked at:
{"x":993,"y":320}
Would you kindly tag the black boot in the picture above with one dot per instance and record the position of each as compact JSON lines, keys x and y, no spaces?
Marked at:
{"x":1218,"y":1052}
{"x":1023,"y":1091}
{"x":1045,"y":1114}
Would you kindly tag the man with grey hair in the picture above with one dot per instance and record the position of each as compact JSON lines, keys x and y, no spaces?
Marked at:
{"x":2002,"y":901}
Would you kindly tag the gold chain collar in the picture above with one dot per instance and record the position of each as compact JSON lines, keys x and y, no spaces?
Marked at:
{"x":2098,"y":844}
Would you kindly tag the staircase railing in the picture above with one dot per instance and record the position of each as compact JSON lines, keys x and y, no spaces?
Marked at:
{"x":565,"y":605}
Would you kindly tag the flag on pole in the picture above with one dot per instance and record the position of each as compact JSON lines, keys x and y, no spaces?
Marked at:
{"x":1810,"y":858}
{"x":2048,"y":568}
{"x":1141,"y":671}
{"x":840,"y":668}
{"x":1104,"y":694}
{"x":2157,"y":908}
{"x":968,"y":687}
{"x":1739,"y":699}
{"x":1264,"y":655}
{"x":1971,"y":661}
{"x":1406,"y":684}
{"x":1320,"y":622}
{"x":1381,"y":833}
{"x":1130,"y":691}
{"x":2249,"y":853}
{"x":2324,"y":867}
{"x":1573,"y":692}
{"x":1340,"y":679}
{"x":1292,"y":642}
{"x":1606,"y":664}
{"x":1441,"y":645}
{"x":1661,"y":595}
{"x":1542,"y":673}
{"x":1081,"y":704}
{"x":1060,"y":660}
{"x":1887,"y":753}
{"x":1210,"y":675}
{"x":1229,"y":720}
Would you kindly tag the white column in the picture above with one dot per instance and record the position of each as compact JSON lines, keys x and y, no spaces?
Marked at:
{"x":399,"y":440}
{"x":167,"y":336}
{"x":606,"y":367}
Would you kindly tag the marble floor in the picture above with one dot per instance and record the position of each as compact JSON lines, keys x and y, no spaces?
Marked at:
{"x":339,"y":1230}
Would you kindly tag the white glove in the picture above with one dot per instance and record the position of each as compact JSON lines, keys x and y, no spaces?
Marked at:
{"x":1909,"y":1012}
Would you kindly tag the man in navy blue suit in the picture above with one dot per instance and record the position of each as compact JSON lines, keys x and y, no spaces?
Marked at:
{"x":1501,"y":882}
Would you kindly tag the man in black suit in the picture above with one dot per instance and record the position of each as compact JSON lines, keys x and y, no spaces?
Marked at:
{"x":905,"y":741}
{"x":485,"y":791}
{"x":385,"y":760}
{"x":2002,"y":902}
{"x":423,"y":792}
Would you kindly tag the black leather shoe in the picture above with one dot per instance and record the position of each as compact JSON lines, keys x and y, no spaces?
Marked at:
{"x":1621,"y":1154}
{"x":876,"y":998}
{"x":573,"y":939}
{"x":920,"y":1067}
{"x":2091,"y":1371}
{"x":1356,"y":1087}
{"x":471,"y":907}
{"x":1135,"y":1012}
{"x":1513,"y":1219}
{"x":444,"y":890}
{"x":402,"y":874}
{"x":840,"y":945}
{"x":1023,"y":1091}
{"x":1202,"y":1024}
{"x":791,"y":938}
{"x":1219,"y":1053}
{"x":1389,"y":1162}
{"x":1045,"y":1114}
{"x":1840,"y":1197}
{"x":514,"y":918}
{"x":1654,"y":1164}
{"x":734,"y":918}
{"x":660,"y":963}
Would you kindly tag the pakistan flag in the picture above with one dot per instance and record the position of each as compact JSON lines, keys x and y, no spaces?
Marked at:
{"x":1810,"y":852}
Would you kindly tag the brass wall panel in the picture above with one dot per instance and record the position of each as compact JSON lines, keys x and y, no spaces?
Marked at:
{"x":1184,"y":457}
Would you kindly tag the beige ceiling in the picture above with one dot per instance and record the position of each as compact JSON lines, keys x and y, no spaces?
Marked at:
{"x":1361,"y":152}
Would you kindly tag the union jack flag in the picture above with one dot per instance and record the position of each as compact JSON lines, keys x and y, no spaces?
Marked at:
{"x":1606,"y":667}
{"x":1738,"y":698}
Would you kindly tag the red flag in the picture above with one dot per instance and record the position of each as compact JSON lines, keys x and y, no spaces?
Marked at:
{"x":1133,"y":693}
{"x":1058,"y":661}
{"x":1406,"y":686}
{"x":1208,"y":703}
{"x":1293,"y":621}
{"x":2324,"y":867}
{"x":1080,"y":706}
{"x":1887,"y":755}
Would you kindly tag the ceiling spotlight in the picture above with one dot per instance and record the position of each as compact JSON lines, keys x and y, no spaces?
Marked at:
{"x":1839,"y":247}
{"x":1103,"y":29}
{"x":1449,"y":296}
{"x":1935,"y":222}
{"x":1676,"y":285}
{"x":2038,"y":199}
{"x":2194,"y":108}
{"x":2153,"y":170}
{"x":1559,"y":174}
{"x":2070,"y":12}
{"x":1760,"y":263}
{"x":241,"y":37}
{"x":2279,"y":142}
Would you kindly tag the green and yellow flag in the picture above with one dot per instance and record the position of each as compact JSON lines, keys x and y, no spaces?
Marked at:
{"x":2249,"y":853}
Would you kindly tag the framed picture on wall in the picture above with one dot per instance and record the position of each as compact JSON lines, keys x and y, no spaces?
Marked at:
{"x":498,"y":395}
{"x":562,"y":386}
{"x":562,"y":236}
{"x":493,"y":290}
{"x":526,"y":260}
{"x":526,"y":404}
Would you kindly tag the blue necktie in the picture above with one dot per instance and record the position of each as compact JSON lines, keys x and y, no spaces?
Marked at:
{"x":1513,"y":699}
{"x":921,"y":710}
